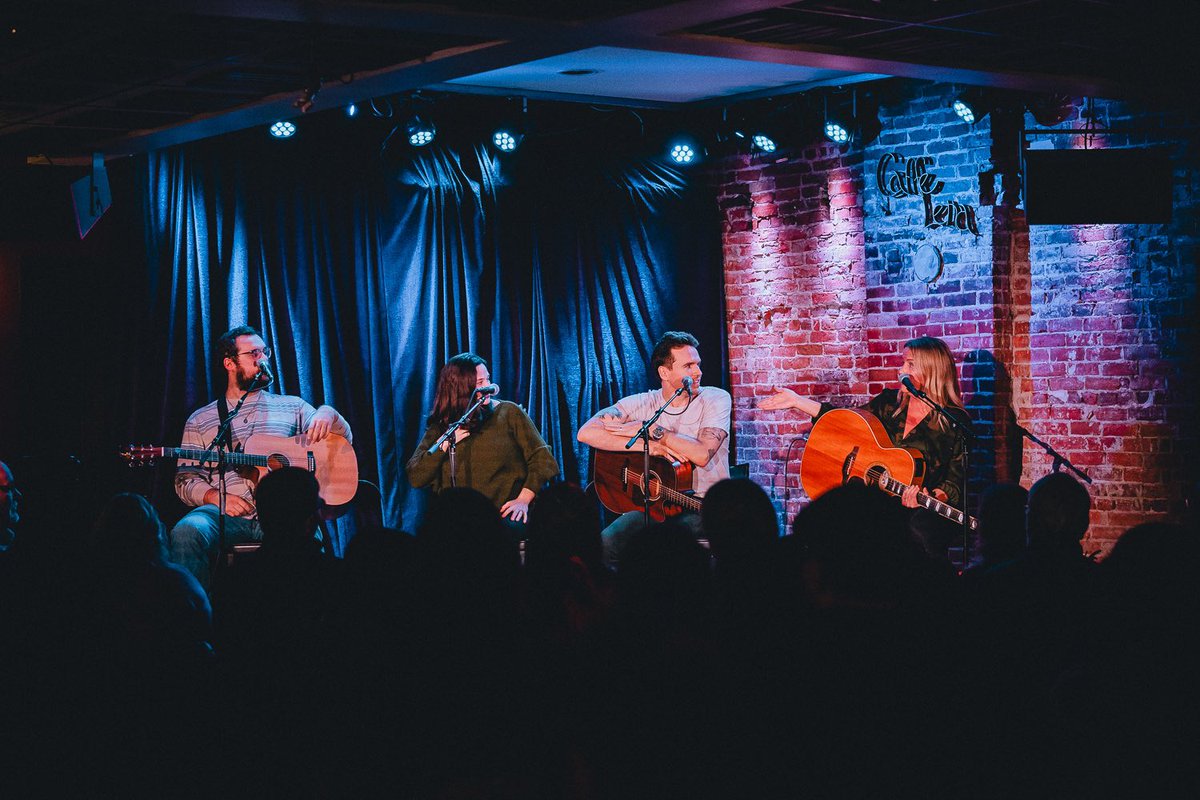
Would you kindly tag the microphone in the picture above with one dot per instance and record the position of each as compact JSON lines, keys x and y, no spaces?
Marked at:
{"x":687,"y":385}
{"x":490,"y":389}
{"x":907,"y":383}
{"x":264,"y":373}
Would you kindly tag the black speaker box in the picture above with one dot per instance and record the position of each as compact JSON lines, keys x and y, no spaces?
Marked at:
{"x":1082,"y":187}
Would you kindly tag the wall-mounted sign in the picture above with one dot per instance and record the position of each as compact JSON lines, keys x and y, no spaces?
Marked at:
{"x":899,"y":176}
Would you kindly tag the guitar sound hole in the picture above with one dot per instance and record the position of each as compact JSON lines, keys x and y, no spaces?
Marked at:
{"x":876,"y":475}
{"x":655,"y":482}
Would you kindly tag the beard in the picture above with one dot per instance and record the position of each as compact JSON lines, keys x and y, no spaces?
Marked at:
{"x":245,"y":381}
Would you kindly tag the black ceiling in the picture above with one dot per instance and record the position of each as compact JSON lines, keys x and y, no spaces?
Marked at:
{"x":79,"y":76}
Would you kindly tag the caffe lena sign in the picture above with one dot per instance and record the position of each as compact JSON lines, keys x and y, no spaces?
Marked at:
{"x":900,"y":176}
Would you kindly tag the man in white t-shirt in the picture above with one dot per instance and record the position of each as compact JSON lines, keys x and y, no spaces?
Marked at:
{"x":694,"y":428}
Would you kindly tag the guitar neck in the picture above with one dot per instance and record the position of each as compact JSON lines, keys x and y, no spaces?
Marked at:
{"x":930,"y":502}
{"x":233,"y":459}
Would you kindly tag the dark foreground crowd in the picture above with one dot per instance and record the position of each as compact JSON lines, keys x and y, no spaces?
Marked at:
{"x":838,"y":661}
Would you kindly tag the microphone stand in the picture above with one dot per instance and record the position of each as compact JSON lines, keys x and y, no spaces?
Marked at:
{"x":644,"y":434}
{"x":961,"y":428}
{"x":1060,"y":460}
{"x":449,"y":435}
{"x":218,"y":445}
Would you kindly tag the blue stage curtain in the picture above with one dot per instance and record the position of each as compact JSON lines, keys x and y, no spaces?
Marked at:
{"x":365,"y":273}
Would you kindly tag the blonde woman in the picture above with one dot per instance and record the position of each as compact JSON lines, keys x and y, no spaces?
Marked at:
{"x":910,"y":422}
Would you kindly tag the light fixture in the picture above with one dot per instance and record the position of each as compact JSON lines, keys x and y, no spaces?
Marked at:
{"x":506,"y":140}
{"x":836,"y":132}
{"x":837,"y":126}
{"x":352,"y":110}
{"x":965,"y":110}
{"x":763,"y":143}
{"x":971,"y":106}
{"x":283,"y":129}
{"x":682,"y":153}
{"x":508,"y":135}
{"x":420,"y":132}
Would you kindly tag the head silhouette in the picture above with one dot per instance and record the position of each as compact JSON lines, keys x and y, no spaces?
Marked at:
{"x":289,"y":505}
{"x":127,"y":529}
{"x":1058,"y":514}
{"x":739,"y":519}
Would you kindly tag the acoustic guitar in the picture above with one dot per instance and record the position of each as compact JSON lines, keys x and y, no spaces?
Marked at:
{"x":331,"y":460}
{"x":849,"y":444}
{"x":617,"y":476}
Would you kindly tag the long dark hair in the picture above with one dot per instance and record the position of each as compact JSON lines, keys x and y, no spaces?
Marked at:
{"x":455,"y":386}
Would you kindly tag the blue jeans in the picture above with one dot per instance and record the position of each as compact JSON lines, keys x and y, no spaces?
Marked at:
{"x":617,"y":534}
{"x":193,"y":541}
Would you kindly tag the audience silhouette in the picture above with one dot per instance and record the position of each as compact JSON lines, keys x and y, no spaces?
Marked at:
{"x":838,"y":660}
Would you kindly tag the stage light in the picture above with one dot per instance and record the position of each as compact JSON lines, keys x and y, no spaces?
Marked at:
{"x":836,"y":132}
{"x":839,"y":123}
{"x":971,"y":106}
{"x":512,"y":129}
{"x":352,"y":110}
{"x":682,"y":153}
{"x":420,"y":132}
{"x":744,"y":133}
{"x":506,"y":140}
{"x":964,"y":111}
{"x":283,"y":129}
{"x":763,"y":143}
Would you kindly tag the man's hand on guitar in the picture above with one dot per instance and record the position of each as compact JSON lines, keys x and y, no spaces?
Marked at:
{"x":625,"y":429}
{"x":661,"y":449}
{"x":234,"y":506}
{"x":321,"y":424}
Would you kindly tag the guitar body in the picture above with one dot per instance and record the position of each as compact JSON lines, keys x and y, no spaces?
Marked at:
{"x":331,"y":461}
{"x":850,"y":444}
{"x":617,"y":476}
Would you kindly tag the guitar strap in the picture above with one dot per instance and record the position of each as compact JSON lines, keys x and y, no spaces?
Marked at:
{"x":222,"y":414}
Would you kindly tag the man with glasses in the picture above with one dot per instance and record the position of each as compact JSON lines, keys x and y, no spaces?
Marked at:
{"x":194,"y":539}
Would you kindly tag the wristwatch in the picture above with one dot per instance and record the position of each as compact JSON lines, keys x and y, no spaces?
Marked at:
{"x":658,"y":432}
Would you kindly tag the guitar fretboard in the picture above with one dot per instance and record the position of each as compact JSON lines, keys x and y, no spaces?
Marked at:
{"x":930,"y":502}
{"x":662,"y":491}
{"x":233,"y":459}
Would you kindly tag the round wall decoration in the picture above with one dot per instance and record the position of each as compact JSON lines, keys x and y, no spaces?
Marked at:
{"x":927,"y":263}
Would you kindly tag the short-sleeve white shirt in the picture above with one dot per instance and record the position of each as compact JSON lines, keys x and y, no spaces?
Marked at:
{"x":708,"y":409}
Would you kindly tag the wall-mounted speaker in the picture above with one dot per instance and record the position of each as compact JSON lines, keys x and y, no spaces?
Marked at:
{"x":1087,"y":187}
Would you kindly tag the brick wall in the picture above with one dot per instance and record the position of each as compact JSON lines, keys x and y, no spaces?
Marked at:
{"x":1077,"y":334}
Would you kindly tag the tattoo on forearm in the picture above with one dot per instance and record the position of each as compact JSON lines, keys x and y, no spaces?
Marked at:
{"x":713,"y":437}
{"x":611,"y":411}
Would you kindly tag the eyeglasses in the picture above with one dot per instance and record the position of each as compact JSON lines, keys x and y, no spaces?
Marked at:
{"x":257,"y":353}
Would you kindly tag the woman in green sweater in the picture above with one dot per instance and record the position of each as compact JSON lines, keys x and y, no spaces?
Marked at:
{"x":499,"y":452}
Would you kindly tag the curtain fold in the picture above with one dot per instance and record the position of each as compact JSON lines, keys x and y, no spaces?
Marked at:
{"x":365,"y":276}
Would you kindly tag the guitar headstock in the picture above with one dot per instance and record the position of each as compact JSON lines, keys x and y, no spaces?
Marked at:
{"x":141,"y":455}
